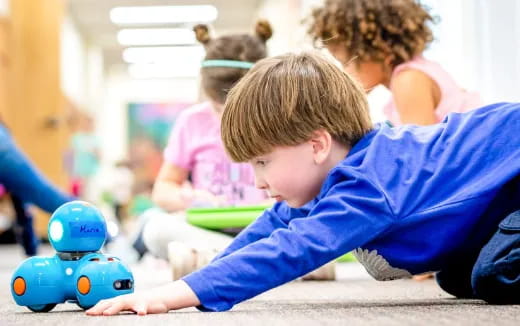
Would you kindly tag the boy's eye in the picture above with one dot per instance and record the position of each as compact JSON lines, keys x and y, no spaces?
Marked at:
{"x":260,"y":162}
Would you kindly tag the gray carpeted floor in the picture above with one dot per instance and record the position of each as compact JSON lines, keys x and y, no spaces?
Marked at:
{"x":354,"y":299}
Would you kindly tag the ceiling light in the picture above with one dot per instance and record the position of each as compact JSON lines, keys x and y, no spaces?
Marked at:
{"x":156,"y":36}
{"x":181,"y":54}
{"x":163,"y":14}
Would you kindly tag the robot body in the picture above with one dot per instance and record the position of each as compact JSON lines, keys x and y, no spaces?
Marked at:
{"x":78,"y":272}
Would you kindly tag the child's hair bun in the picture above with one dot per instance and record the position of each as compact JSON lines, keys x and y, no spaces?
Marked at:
{"x":263,"y":30}
{"x":202,"y":33}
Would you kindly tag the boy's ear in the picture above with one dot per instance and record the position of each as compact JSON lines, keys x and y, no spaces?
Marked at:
{"x":321,"y":142}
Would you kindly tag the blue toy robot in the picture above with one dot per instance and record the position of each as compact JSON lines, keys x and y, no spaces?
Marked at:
{"x":78,"y":272}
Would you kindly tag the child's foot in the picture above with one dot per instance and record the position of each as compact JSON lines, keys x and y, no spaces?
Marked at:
{"x":422,"y":277}
{"x":326,"y":272}
{"x":185,"y":259}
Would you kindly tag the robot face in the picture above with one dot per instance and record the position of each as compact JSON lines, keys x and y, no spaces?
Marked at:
{"x":102,"y":277}
{"x":77,"y":226}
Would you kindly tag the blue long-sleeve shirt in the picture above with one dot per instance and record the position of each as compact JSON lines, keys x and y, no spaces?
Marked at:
{"x":408,"y":200}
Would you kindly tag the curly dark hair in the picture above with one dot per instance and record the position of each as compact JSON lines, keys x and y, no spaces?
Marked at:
{"x":217,"y":81}
{"x":373,"y":29}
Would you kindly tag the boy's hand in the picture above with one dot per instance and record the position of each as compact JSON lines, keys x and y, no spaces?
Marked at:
{"x":159,"y":300}
{"x":140,"y":303}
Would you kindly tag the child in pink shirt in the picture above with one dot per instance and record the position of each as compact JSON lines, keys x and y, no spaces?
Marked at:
{"x":196,"y":171}
{"x":195,"y":145}
{"x":452,"y":97}
{"x":381,"y":42}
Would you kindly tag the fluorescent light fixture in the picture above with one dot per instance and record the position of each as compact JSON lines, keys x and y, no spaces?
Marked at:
{"x":156,"y":36}
{"x":163,"y":70}
{"x":163,"y":14}
{"x":165,"y":54}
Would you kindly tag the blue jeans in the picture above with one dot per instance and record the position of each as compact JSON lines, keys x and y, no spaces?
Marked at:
{"x":494,"y":274}
{"x":27,"y":186}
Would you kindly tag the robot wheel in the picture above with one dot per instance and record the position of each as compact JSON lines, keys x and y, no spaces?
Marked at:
{"x":42,"y":307}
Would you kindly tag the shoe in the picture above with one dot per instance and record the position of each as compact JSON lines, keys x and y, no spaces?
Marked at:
{"x":185,"y":259}
{"x":326,"y":272}
{"x":422,"y":277}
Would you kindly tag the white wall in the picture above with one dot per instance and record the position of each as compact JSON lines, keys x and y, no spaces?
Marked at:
{"x":73,"y":64}
{"x":499,"y":49}
{"x":478,"y":42}
{"x":120,"y":90}
{"x":289,"y":34}
{"x":4,"y":8}
{"x":94,"y":79}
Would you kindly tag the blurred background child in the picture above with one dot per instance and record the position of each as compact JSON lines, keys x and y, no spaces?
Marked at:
{"x":196,"y":171}
{"x":381,"y":42}
{"x":120,"y":188}
{"x":84,"y":147}
{"x":26,"y":185}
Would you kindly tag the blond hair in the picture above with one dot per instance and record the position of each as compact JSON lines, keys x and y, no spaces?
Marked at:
{"x":283,"y":100}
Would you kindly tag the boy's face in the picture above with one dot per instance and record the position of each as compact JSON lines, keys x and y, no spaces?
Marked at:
{"x":290,"y":174}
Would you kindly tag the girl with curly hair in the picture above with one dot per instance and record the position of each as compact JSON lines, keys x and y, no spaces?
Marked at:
{"x":381,"y":42}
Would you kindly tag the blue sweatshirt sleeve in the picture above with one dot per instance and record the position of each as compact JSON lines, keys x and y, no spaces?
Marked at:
{"x":349,"y":215}
{"x":263,"y":226}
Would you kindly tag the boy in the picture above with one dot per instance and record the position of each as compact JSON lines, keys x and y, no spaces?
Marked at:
{"x":411,"y":199}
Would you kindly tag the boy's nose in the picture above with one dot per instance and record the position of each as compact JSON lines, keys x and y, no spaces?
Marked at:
{"x":260,"y":183}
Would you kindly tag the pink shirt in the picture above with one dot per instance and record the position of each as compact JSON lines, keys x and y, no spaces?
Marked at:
{"x":195,"y":145}
{"x":453,"y":98}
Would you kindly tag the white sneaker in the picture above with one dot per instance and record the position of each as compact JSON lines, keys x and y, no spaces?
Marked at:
{"x":185,"y":259}
{"x":326,"y":272}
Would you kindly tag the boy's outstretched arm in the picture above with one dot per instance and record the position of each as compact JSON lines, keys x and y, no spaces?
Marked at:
{"x":351,"y":214}
{"x":175,"y":295}
{"x":178,"y":294}
{"x":276,"y":217}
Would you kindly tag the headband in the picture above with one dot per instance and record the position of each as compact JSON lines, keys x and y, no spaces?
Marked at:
{"x":227,"y":64}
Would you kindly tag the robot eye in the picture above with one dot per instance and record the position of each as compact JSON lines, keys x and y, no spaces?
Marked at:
{"x":56,"y":231}
{"x":123,"y":284}
{"x":94,"y":259}
{"x":19,"y":286}
{"x":112,"y":259}
{"x":83,"y":285}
